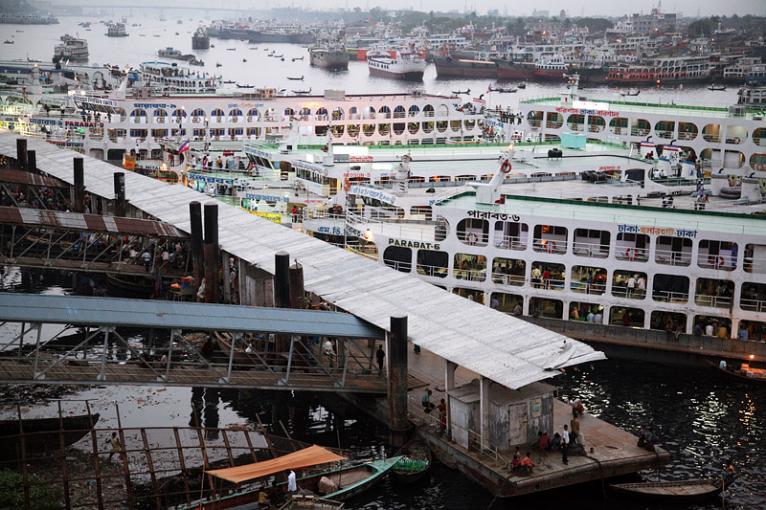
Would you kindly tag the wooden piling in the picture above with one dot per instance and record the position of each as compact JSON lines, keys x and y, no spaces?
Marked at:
{"x":282,"y":292}
{"x":212,"y":259}
{"x":295,"y":289}
{"x":79,"y":185}
{"x":398,"y":422}
{"x":120,"y":204}
{"x":32,"y":161}
{"x":21,"y":153}
{"x":195,"y":215}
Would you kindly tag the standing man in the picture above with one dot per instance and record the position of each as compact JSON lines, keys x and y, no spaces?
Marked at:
{"x":116,"y":446}
{"x":380,"y":356}
{"x":565,"y":446}
{"x":292,"y":484}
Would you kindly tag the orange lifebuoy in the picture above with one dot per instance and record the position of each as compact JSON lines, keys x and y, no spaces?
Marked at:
{"x":505,"y":167}
{"x":472,"y":238}
{"x":721,"y":261}
{"x":630,"y":254}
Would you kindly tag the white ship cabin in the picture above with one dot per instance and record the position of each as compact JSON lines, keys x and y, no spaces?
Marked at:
{"x":171,"y":77}
{"x":732,"y":138}
{"x":612,"y":264}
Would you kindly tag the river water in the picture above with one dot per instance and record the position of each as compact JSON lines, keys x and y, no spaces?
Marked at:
{"x":702,"y":417}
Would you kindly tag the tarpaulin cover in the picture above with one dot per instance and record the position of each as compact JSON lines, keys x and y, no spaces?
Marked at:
{"x":311,"y":456}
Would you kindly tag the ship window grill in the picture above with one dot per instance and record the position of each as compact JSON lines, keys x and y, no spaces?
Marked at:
{"x":668,"y":321}
{"x":509,"y":271}
{"x":507,"y":303}
{"x":719,"y":255}
{"x":550,"y":239}
{"x":546,"y":308}
{"x":591,"y":243}
{"x":674,"y":251}
{"x":588,"y":280}
{"x":398,"y":258}
{"x":473,"y":231}
{"x":714,"y":293}
{"x":668,"y":288}
{"x":470,"y":267}
{"x":626,"y":316}
{"x":510,"y":235}
{"x":432,"y":263}
{"x":629,"y":284}
{"x":470,"y":294}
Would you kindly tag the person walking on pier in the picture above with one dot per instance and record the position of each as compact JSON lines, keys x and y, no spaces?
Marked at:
{"x":292,"y":484}
{"x":380,"y":356}
{"x":116,"y":446}
{"x":565,"y":446}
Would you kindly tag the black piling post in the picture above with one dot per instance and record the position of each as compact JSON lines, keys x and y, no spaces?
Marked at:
{"x":212,"y":263}
{"x":120,"y":204}
{"x":282,"y":292}
{"x":295,"y":288}
{"x":79,"y":185}
{"x":195,"y":214}
{"x":21,"y":153}
{"x":32,"y":161}
{"x":398,"y":423}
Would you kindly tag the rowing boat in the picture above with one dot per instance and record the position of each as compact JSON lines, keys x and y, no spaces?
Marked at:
{"x":42,"y":434}
{"x":680,"y":490}
{"x":414,"y":464}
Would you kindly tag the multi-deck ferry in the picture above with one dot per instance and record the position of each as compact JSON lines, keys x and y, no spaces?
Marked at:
{"x":732,"y":138}
{"x":607,"y":263}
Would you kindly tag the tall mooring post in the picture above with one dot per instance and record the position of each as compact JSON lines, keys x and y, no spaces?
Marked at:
{"x":21,"y":153}
{"x":195,"y":216}
{"x":120,"y":203}
{"x":31,"y":161}
{"x":398,"y":423}
{"x":79,"y":185}
{"x":212,"y":259}
{"x":295,"y":289}
{"x":282,"y":292}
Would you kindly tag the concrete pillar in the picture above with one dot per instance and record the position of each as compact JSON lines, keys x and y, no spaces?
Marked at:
{"x":195,"y":215}
{"x":31,"y":161}
{"x":21,"y":153}
{"x":484,"y":384}
{"x":212,"y":262}
{"x":398,"y":422}
{"x":79,"y":185}
{"x":296,"y":290}
{"x":282,"y":292}
{"x":120,"y":204}
{"x":449,"y":385}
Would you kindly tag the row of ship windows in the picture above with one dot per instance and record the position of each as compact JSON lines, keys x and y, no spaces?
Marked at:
{"x":625,"y":283}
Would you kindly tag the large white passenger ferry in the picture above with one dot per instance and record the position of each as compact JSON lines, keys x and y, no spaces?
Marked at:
{"x":644,"y":267}
{"x":732,"y":138}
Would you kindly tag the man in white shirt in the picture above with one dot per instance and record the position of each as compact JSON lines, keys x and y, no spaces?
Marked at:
{"x":709,"y":329}
{"x":292,"y":484}
{"x":565,"y":445}
{"x":631,"y":286}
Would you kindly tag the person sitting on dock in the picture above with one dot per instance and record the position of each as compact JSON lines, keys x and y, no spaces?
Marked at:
{"x":526,"y":465}
{"x":516,"y":460}
{"x":425,"y":401}
{"x":543,"y":441}
{"x":555,"y":443}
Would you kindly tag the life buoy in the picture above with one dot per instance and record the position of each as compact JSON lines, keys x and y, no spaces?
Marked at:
{"x":630,"y":254}
{"x":472,"y":238}
{"x":551,"y":246}
{"x":346,"y":184}
{"x":505,"y":167}
{"x":721,"y":261}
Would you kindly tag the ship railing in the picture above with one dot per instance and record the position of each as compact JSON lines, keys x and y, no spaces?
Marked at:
{"x":752,"y":305}
{"x":590,"y":249}
{"x":596,"y":289}
{"x":556,"y":284}
{"x":687,"y":136}
{"x":432,"y":271}
{"x":549,"y":245}
{"x":761,"y":142}
{"x":515,"y":280}
{"x":713,"y":300}
{"x":402,"y":266}
{"x":668,"y":135}
{"x":632,"y":253}
{"x":711,"y":138}
{"x":399,"y":115}
{"x":511,"y":242}
{"x":553,"y":125}
{"x":473,"y":238}
{"x":638,"y":132}
{"x":534,"y":123}
{"x":367,"y":250}
{"x":673,"y":258}
{"x":669,"y":296}
{"x":624,"y":291}
{"x":471,"y":275}
{"x":722,"y":262}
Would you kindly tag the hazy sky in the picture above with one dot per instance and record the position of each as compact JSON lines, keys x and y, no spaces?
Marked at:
{"x":515,"y":7}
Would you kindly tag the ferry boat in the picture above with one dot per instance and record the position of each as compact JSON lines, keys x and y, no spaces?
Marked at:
{"x":455,"y":67}
{"x":116,"y":30}
{"x":663,"y":70}
{"x":175,"y":54}
{"x":200,"y":39}
{"x":631,"y":266}
{"x":168,"y":101}
{"x":71,"y":49}
{"x":732,"y":139}
{"x":330,"y":55}
{"x":398,"y":65}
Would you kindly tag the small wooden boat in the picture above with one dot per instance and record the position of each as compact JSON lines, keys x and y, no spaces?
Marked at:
{"x":302,"y":92}
{"x":414,"y":463}
{"x":717,"y":87}
{"x":631,"y":93}
{"x":461,"y":92}
{"x":296,"y":59}
{"x":295,"y":78}
{"x":218,"y":64}
{"x":680,"y":490}
{"x":504,"y":90}
{"x":42,"y":434}
{"x":350,"y":479}
{"x":745,"y":372}
{"x":310,"y":502}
